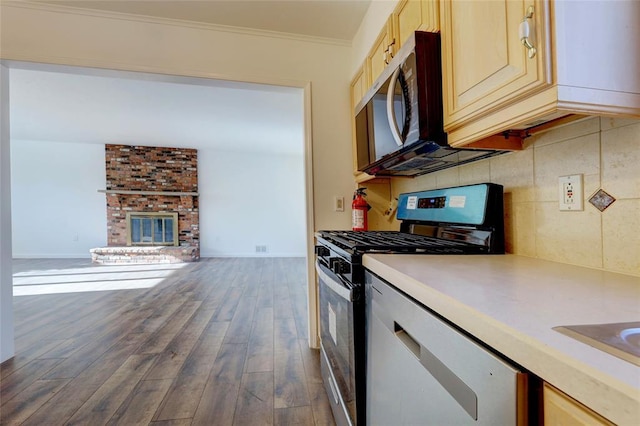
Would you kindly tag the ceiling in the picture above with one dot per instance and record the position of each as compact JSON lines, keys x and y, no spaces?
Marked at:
{"x":140,"y":109}
{"x":334,"y":19}
{"x":76,"y":105}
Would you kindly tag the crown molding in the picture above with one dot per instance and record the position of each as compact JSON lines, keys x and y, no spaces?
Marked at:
{"x":71,"y":10}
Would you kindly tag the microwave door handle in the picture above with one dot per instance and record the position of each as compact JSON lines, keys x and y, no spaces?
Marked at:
{"x":391,"y":113}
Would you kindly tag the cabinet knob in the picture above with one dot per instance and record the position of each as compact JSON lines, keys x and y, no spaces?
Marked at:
{"x":524,"y":31}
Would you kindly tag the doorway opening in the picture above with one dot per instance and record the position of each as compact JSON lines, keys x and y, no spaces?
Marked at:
{"x":303,"y":94}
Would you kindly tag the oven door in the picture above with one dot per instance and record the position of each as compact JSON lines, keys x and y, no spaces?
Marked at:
{"x":337,"y":339}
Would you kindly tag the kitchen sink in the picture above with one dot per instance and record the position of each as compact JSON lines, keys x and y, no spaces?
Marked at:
{"x":621,"y":339}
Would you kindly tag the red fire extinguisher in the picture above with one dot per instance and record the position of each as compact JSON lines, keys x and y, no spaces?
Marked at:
{"x":359,"y":208}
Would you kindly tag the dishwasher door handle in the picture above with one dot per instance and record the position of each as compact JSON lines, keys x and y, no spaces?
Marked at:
{"x":463,"y":394}
{"x":406,"y":339}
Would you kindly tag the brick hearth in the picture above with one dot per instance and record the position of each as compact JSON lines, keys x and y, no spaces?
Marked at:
{"x":123,"y":255}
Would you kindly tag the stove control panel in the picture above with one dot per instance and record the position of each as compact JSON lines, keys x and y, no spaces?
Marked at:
{"x":466,"y":205}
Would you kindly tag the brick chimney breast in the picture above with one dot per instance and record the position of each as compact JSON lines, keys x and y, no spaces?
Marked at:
{"x":167,"y":179}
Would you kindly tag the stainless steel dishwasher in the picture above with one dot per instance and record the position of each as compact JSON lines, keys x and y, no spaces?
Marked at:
{"x":423,"y":371}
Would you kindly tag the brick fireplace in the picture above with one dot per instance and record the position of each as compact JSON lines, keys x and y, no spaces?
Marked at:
{"x":150,"y":180}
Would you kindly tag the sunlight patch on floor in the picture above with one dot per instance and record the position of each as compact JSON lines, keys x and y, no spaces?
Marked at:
{"x":93,"y":278}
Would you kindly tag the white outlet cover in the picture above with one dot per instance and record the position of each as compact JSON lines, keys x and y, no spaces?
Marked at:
{"x":570,"y":193}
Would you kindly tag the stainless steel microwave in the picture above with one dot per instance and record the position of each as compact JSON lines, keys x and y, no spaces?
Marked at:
{"x":399,"y":122}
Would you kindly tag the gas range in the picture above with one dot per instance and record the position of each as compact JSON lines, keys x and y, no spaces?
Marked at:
{"x":460,"y":220}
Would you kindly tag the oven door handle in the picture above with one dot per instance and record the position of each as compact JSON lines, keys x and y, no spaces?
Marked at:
{"x":333,"y":282}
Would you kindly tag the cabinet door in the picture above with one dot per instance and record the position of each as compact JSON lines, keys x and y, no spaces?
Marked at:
{"x":414,"y":15}
{"x":485,"y":65}
{"x":380,"y":52}
{"x":560,"y":409}
{"x":359,"y":87}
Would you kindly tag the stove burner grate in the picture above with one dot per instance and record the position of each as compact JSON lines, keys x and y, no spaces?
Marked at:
{"x":398,"y":242}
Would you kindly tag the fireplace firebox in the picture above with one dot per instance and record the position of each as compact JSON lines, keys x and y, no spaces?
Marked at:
{"x":152,"y":229}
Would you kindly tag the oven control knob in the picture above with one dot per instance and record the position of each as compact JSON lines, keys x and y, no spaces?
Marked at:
{"x":339,"y":266}
{"x":332,"y":262}
{"x":322,"y":251}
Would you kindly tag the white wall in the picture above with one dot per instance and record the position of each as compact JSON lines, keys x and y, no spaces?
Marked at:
{"x":246,"y":199}
{"x":258,"y":121}
{"x":6,"y":287}
{"x":249,"y":199}
{"x":57,"y":209}
{"x":48,"y":34}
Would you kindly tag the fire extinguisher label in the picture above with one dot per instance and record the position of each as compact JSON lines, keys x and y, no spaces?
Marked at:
{"x":358,"y":219}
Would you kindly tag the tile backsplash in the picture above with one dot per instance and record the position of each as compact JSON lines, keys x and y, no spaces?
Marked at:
{"x":605,"y":151}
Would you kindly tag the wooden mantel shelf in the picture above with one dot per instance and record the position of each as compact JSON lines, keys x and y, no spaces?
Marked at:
{"x":167,"y":193}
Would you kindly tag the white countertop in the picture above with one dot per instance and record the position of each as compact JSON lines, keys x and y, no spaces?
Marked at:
{"x":512,"y":302}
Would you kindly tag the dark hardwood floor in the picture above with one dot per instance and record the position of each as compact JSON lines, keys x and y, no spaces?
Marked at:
{"x":218,"y":342}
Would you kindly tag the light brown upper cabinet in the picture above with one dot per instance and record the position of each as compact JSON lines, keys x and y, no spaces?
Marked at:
{"x":407,"y":17}
{"x":381,"y":52}
{"x":359,"y":86}
{"x":414,"y":15}
{"x":577,"y":58}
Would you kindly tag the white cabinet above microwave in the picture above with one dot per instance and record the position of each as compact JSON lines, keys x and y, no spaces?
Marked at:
{"x":577,"y":57}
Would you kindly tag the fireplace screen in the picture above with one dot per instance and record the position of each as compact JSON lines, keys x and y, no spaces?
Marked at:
{"x":152,"y":229}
